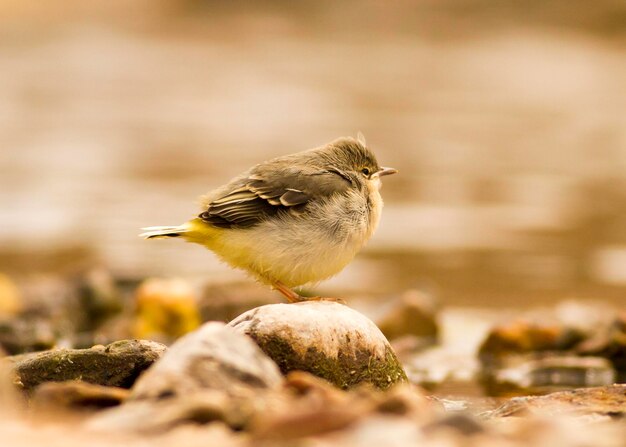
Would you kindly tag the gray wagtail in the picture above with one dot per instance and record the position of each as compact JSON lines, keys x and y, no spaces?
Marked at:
{"x":293,"y":220}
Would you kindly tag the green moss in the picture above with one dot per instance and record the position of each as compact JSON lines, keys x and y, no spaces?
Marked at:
{"x":119,"y":364}
{"x":345,"y":371}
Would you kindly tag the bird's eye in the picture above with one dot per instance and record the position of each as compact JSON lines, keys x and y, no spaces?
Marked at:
{"x":365,"y":171}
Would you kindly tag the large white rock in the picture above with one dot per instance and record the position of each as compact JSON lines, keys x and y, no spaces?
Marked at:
{"x":324,"y":338}
{"x":213,"y":373}
{"x":214,"y":357}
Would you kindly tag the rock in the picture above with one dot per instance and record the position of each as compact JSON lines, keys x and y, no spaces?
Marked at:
{"x":76,"y":395}
{"x":118,"y":364}
{"x":69,"y":430}
{"x":10,"y":297}
{"x":413,"y":315}
{"x":216,"y":434}
{"x":585,"y":316}
{"x":223,"y":302}
{"x":442,"y":366}
{"x":523,"y":358}
{"x":302,"y":382}
{"x":318,"y":408}
{"x":165,"y":309}
{"x":326,"y":339}
{"x":376,"y":431}
{"x":59,"y":311}
{"x":47,"y":314}
{"x":27,"y":334}
{"x":541,"y":375}
{"x":407,"y":346}
{"x":156,"y":416}
{"x":309,"y":415}
{"x":211,"y":374}
{"x":54,"y":299}
{"x":521,"y":337}
{"x":99,"y":299}
{"x":607,"y":400}
{"x":215,"y":357}
{"x":463,"y":423}
{"x":405,"y":400}
{"x":610,"y":344}
{"x":10,"y":399}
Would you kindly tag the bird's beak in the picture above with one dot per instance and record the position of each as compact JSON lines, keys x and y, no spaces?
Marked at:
{"x":386,"y":171}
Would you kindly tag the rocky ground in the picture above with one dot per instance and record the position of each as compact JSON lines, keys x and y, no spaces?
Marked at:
{"x":160,"y":368}
{"x":507,"y":121}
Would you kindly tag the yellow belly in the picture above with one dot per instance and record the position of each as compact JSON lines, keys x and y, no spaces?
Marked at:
{"x":271,"y":253}
{"x":296,"y":249}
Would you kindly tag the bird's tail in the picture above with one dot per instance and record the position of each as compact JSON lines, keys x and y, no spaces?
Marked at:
{"x":163,"y":232}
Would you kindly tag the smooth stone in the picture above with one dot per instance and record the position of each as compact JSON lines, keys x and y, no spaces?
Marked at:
{"x":524,"y":337}
{"x":551,"y":373}
{"x":214,"y":357}
{"x":414,"y":314}
{"x":606,"y":400}
{"x":10,"y":297}
{"x":76,"y":395}
{"x":165,"y":309}
{"x":211,"y":374}
{"x":610,"y":343}
{"x":523,"y":357}
{"x":21,"y":335}
{"x":326,"y":339}
{"x":315,"y":407}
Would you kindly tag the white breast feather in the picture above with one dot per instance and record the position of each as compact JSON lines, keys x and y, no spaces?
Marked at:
{"x":304,"y":249}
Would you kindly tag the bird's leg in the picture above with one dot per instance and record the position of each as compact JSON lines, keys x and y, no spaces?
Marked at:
{"x":293,"y":297}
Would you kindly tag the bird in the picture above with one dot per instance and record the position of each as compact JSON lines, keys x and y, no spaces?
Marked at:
{"x":293,"y":220}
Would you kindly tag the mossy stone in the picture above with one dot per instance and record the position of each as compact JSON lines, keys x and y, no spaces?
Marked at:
{"x":118,"y":364}
{"x":326,"y":339}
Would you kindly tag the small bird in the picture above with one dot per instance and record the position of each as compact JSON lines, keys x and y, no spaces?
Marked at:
{"x":292,"y":220}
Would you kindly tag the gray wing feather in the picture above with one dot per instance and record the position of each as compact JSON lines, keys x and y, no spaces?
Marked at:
{"x":267,"y":191}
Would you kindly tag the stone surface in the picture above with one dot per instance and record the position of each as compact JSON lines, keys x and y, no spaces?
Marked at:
{"x":529,"y":375}
{"x":11,"y":402}
{"x":315,"y":407}
{"x":10,"y":297}
{"x":211,"y":374}
{"x":520,"y":337}
{"x":155,"y":416}
{"x":166,"y":309}
{"x":610,"y":344}
{"x":99,"y":299}
{"x":558,"y":350}
{"x":608,"y":401}
{"x":67,"y":311}
{"x":414,"y":314}
{"x":327,"y":339}
{"x":214,"y":357}
{"x":24,"y":334}
{"x":76,"y":395}
{"x":117,"y":364}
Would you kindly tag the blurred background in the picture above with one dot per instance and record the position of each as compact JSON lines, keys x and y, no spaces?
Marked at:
{"x":507,"y":120}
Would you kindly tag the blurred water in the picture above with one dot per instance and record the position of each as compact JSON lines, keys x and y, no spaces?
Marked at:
{"x":511,"y":139}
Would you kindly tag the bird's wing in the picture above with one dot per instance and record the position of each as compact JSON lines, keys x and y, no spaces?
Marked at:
{"x":268,"y":190}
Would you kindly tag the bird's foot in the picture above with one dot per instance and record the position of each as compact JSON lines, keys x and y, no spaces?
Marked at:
{"x":293,"y":297}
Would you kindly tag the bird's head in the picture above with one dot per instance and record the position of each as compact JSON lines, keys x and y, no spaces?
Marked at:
{"x":353,"y":159}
